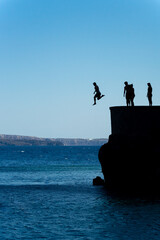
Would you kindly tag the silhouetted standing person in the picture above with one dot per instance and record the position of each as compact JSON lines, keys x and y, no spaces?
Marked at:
{"x":127,"y":93}
{"x":97,"y":93}
{"x":149,"y":94}
{"x":132,"y":95}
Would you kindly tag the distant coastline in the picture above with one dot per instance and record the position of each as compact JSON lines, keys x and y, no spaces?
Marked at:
{"x":17,"y":140}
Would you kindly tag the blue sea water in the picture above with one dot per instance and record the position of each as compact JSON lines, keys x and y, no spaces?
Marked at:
{"x":47,"y":193}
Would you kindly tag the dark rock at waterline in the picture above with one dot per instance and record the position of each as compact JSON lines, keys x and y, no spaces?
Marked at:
{"x":98,"y":181}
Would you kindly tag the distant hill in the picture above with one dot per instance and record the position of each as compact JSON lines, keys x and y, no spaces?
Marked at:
{"x":82,"y":142}
{"x":16,"y":140}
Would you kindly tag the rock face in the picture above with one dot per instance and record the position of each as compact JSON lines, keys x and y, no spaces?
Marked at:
{"x":131,"y":159}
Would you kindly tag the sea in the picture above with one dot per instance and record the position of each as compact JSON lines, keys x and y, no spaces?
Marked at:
{"x":47,"y":193}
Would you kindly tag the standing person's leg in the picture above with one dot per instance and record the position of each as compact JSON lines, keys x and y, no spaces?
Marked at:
{"x":132,"y":102}
{"x":150,"y":100}
{"x":127,"y":101}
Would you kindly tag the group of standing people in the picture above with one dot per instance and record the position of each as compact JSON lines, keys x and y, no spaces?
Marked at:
{"x":130,"y":94}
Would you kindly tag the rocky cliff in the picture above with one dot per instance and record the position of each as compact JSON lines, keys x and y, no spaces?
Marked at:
{"x":130,"y":160}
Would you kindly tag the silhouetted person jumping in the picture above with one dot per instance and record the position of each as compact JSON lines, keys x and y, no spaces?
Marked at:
{"x":149,"y":94}
{"x":97,"y":93}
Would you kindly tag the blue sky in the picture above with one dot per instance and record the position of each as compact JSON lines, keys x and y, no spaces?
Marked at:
{"x":51,"y":51}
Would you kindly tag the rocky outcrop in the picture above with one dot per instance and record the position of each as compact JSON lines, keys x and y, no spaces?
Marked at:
{"x":98,"y":181}
{"x":131,"y":159}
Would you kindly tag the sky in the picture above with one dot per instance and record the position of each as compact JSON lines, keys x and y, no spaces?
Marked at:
{"x":51,"y":52}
